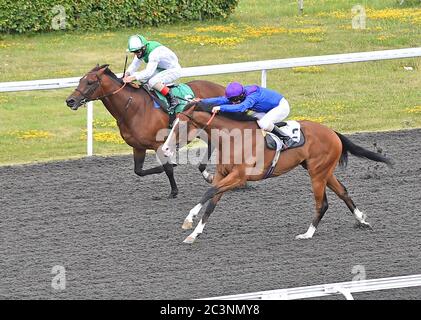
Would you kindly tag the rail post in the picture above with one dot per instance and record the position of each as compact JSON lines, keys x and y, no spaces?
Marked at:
{"x":89,"y":128}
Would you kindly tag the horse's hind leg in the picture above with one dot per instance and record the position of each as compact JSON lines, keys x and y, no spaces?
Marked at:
{"x":342,"y":193}
{"x":319,"y":191}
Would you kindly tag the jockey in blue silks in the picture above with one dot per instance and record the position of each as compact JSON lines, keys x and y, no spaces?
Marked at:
{"x":268,"y":106}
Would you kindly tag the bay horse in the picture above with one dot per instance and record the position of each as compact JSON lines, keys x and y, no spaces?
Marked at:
{"x":138,"y":120}
{"x":322,"y":151}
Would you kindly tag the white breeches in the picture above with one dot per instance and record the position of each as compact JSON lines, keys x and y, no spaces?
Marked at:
{"x":266,"y":120}
{"x":166,"y":77}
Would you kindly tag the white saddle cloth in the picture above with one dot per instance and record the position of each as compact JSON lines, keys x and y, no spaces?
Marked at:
{"x":292,"y":129}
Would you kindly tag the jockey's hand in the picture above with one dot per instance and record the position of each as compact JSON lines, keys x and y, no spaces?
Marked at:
{"x":196,"y":100}
{"x":128,"y":79}
{"x":216,"y":109}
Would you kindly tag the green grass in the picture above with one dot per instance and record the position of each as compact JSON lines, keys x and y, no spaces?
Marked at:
{"x":367,"y":96}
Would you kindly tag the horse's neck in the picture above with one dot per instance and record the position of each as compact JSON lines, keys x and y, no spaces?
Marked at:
{"x":118,"y":104}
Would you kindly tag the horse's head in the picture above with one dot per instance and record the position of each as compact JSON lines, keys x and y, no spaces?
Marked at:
{"x":88,"y":88}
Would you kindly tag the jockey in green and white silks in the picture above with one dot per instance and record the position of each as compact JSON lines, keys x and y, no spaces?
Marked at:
{"x":162,"y":66}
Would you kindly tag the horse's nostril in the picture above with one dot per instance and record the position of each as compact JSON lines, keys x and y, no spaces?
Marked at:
{"x":70,"y":102}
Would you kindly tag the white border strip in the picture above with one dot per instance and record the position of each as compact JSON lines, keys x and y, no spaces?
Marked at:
{"x":345,"y":288}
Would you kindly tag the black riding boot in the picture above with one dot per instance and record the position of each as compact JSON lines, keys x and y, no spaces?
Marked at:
{"x":286,"y":139}
{"x":173,"y":102}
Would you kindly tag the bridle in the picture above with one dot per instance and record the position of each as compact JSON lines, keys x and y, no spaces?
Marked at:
{"x":86,"y":95}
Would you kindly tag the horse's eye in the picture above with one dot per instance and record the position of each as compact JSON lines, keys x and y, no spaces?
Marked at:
{"x":90,"y":82}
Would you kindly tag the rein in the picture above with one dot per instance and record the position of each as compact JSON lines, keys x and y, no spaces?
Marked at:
{"x":197,"y":125}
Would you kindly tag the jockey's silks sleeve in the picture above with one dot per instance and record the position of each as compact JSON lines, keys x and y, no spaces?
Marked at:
{"x":146,"y":74}
{"x":248,"y":103}
{"x":217,"y":101}
{"x":134,"y":65}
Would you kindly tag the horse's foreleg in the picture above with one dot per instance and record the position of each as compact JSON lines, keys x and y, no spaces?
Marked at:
{"x":319,"y":191}
{"x":231,"y":181}
{"x":203,"y":164}
{"x":342,"y":193}
{"x":139,"y":159}
{"x":169,"y":171}
{"x":201,"y":225}
{"x":209,"y":194}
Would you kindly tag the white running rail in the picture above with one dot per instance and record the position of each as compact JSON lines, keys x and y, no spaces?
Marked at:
{"x":235,"y":67}
{"x":344,"y":288}
{"x":262,"y":66}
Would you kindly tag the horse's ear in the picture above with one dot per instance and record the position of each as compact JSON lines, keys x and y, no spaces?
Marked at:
{"x":101,"y":69}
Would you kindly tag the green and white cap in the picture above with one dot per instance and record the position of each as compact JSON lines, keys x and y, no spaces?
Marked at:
{"x":136,"y":42}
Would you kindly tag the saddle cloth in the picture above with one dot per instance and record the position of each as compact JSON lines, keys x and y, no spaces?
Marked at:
{"x":182,"y":91}
{"x":293,"y":130}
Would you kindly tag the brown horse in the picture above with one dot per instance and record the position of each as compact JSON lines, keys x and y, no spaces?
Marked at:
{"x":137,"y":118}
{"x":322,"y":151}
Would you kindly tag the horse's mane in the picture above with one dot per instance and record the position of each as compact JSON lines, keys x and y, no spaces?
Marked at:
{"x":108,"y":72}
{"x":113,"y":76}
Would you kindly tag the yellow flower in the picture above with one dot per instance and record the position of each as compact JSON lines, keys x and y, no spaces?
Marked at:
{"x":254,"y":32}
{"x":111,"y":137}
{"x":320,"y":119}
{"x":4,"y":45}
{"x":311,"y":69}
{"x":105,"y":136}
{"x":104,"y":124}
{"x":217,"y":28}
{"x":335,"y":14}
{"x":202,"y":40}
{"x":308,"y":31}
{"x":169,"y":35}
{"x":31,"y":134}
{"x":416,"y":109}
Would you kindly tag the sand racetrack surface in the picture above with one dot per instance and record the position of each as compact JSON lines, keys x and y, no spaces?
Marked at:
{"x":119,"y":237}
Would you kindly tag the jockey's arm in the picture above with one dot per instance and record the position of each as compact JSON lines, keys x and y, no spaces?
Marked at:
{"x":241,"y":107}
{"x":146,"y":74}
{"x":214,"y":101}
{"x":133,"y":66}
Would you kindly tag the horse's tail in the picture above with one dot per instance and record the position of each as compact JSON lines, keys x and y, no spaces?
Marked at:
{"x":349,"y":146}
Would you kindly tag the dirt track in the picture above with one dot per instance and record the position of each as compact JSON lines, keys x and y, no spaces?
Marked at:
{"x":119,"y":237}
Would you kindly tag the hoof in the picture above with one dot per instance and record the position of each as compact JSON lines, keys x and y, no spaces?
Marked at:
{"x":364,"y":225}
{"x":189,"y":240}
{"x":187,"y":225}
{"x":209,"y":179}
{"x":303,"y":236}
{"x":173,"y":195}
